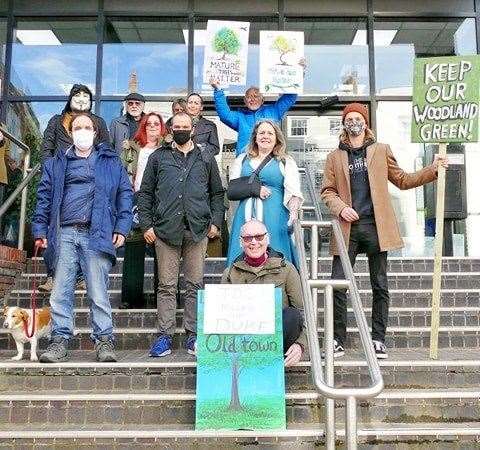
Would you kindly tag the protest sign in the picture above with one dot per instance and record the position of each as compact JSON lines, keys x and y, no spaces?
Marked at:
{"x":280,"y":54}
{"x":445,"y":99}
{"x":226,"y":52}
{"x":446,"y":94}
{"x":240,"y":378}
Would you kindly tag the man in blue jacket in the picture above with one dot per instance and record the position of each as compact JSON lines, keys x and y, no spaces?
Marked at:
{"x":83,"y":213}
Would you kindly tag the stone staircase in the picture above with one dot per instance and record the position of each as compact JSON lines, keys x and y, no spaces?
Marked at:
{"x":142,"y":402}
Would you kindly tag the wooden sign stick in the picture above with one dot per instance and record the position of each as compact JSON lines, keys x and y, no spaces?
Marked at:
{"x":437,"y":265}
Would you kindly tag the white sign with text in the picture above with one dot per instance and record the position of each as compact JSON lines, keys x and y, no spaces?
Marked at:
{"x":239,"y":309}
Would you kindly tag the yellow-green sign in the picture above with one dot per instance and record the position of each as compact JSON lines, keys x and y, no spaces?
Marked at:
{"x":446,"y":95}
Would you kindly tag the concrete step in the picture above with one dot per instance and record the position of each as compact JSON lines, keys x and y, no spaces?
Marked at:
{"x":408,"y":298}
{"x":405,"y":368}
{"x":308,"y":436}
{"x":395,"y":264}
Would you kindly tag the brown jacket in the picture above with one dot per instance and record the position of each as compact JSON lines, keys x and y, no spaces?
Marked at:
{"x":275,"y":271}
{"x":382,"y":167}
{"x":3,"y":166}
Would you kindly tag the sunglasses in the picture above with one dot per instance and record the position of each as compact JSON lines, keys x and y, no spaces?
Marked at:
{"x":133,"y":103}
{"x":257,"y":237}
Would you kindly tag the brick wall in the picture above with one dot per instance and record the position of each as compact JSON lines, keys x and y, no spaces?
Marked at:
{"x":12,"y":263}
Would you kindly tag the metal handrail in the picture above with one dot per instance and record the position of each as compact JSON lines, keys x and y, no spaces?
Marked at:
{"x":28,"y":174}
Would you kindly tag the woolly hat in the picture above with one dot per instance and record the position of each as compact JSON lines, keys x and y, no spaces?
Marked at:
{"x":356,"y":107}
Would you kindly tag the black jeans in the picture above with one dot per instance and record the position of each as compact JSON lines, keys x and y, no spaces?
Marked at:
{"x":292,"y":326}
{"x":363,"y":239}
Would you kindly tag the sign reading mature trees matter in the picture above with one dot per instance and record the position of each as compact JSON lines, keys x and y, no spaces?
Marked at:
{"x":445,"y":99}
{"x":280,"y":54}
{"x":226,"y":51}
{"x":240,"y":377}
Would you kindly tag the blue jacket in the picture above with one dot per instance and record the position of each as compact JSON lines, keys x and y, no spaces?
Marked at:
{"x":243,"y":120}
{"x":112,"y":202}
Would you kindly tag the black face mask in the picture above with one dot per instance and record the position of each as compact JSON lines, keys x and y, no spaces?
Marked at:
{"x":181,"y":137}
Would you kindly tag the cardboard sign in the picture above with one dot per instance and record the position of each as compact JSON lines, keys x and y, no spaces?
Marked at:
{"x":240,"y":378}
{"x":226,"y":52}
{"x":239,"y":309}
{"x":446,"y":94}
{"x":280,"y":54}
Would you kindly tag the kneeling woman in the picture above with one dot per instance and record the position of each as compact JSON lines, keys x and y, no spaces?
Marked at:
{"x":274,"y":198}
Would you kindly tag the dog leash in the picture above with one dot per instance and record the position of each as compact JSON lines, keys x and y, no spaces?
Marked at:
{"x":33,"y":296}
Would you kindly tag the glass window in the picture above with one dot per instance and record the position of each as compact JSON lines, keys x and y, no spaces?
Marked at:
{"x":253,"y":56}
{"x":315,"y":7}
{"x":235,"y":7}
{"x":50,"y":56}
{"x":145,"y":6}
{"x":398,"y":43}
{"x":156,"y":50}
{"x":58,"y":6}
{"x":414,"y":6}
{"x":336,"y":54}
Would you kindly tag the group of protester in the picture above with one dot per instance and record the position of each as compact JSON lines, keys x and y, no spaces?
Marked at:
{"x":154,"y":184}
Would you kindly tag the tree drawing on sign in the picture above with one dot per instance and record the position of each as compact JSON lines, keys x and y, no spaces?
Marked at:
{"x":283,"y":46}
{"x":227,"y":41}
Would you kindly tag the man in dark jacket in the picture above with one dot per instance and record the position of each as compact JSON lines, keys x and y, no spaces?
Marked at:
{"x":204,"y":131}
{"x":123,"y":128}
{"x":180,"y":204}
{"x":83,"y":213}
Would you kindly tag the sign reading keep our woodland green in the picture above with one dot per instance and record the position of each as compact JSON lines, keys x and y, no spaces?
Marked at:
{"x":240,"y":376}
{"x":446,"y":94}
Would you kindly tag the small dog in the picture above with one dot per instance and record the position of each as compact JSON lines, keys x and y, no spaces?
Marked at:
{"x":14,"y":320}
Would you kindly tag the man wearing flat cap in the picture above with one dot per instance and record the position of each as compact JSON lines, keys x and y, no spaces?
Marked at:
{"x":123,"y":128}
{"x":355,"y":189}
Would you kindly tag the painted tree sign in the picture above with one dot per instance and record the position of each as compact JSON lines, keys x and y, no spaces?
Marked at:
{"x":226,"y":51}
{"x":240,"y":369}
{"x":280,"y":54}
{"x":445,"y":99}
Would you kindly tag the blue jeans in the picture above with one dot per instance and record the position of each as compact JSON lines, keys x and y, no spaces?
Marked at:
{"x":74,"y":254}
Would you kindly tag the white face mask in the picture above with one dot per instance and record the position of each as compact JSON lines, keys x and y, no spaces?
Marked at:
{"x":83,"y":139}
{"x":80,"y":102}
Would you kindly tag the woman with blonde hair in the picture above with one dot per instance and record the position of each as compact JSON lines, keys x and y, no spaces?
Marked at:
{"x":272,"y":195}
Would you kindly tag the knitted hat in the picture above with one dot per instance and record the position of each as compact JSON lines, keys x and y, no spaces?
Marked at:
{"x":356,"y":107}
{"x":135,"y":96}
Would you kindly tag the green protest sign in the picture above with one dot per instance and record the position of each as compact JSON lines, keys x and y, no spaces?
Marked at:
{"x":446,"y":94}
{"x":240,"y":376}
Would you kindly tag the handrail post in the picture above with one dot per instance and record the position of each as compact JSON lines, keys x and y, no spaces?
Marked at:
{"x":314,"y":267}
{"x":351,"y":423}
{"x":23,"y":204}
{"x":329,"y":367}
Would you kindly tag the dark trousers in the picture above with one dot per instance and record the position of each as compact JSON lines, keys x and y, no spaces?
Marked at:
{"x":133,"y":274}
{"x":363,"y":239}
{"x":292,"y":326}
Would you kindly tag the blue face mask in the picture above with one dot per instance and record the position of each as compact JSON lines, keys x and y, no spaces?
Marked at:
{"x":354,"y":127}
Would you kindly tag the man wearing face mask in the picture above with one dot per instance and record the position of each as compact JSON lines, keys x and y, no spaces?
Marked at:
{"x":83,"y":213}
{"x":180,"y":205}
{"x":56,"y":137}
{"x":123,"y":128}
{"x":355,"y":189}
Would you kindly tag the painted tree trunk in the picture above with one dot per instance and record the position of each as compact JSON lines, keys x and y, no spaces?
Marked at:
{"x":235,"y":404}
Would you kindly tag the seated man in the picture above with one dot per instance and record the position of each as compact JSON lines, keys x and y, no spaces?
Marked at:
{"x":261,"y":265}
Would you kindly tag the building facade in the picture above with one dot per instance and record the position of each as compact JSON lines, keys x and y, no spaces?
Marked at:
{"x":360,"y":50}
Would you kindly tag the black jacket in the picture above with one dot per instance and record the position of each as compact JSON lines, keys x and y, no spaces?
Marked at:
{"x":205,"y":135}
{"x":56,"y":138}
{"x":170,"y":192}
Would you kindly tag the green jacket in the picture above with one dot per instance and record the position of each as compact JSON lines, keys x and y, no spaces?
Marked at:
{"x":277,"y":271}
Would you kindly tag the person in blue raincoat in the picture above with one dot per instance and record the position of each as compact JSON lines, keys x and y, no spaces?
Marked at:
{"x":280,"y":196}
{"x":83,"y":213}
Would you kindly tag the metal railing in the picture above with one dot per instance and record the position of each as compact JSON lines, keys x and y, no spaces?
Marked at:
{"x":323,"y":377}
{"x":28,"y":174}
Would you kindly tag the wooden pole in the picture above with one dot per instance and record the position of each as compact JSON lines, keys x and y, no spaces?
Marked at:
{"x":437,"y":266}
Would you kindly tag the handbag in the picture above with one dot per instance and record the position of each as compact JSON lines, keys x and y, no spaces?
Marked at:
{"x":246,"y":187}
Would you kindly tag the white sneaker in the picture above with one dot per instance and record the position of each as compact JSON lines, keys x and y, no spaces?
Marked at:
{"x":380,"y":350}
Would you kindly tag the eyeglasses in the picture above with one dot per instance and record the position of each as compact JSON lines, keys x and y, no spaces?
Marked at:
{"x":133,"y":103}
{"x":257,"y":237}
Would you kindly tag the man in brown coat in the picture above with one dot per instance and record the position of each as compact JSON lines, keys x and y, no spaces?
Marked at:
{"x":355,"y":189}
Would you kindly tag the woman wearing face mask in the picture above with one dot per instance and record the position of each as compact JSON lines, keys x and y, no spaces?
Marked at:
{"x":204,"y":131}
{"x":148,"y":138}
{"x":278,"y":197}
